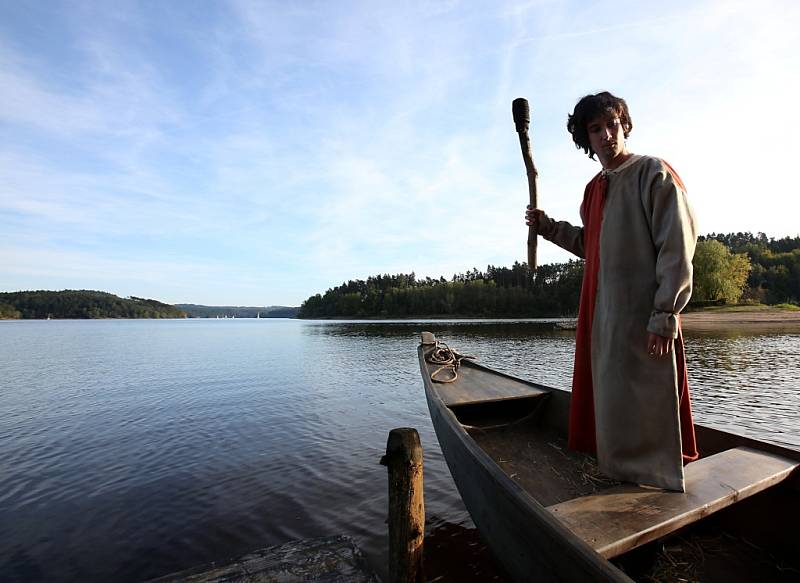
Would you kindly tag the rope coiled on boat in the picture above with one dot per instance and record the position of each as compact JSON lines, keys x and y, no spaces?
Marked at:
{"x":447,"y":359}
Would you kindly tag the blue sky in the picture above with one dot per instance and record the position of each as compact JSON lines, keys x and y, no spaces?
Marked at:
{"x":256,"y":153}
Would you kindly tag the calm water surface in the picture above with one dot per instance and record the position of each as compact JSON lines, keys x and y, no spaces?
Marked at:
{"x":132,"y":449}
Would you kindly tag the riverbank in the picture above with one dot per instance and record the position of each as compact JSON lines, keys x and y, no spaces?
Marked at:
{"x":751,"y":318}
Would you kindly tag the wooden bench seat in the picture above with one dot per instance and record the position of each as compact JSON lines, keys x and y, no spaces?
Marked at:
{"x":622,"y":518}
{"x":475,"y":386}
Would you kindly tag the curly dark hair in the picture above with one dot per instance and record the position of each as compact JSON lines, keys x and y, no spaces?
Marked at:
{"x":592,"y":107}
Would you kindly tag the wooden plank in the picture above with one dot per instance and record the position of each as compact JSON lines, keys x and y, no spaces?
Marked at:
{"x":619,"y":519}
{"x":334,"y":558}
{"x":476,"y":386}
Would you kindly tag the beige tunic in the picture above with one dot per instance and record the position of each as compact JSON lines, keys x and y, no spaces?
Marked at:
{"x":647,"y":241}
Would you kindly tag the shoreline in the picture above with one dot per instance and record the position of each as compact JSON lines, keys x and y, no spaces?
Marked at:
{"x":766,"y":318}
{"x":751,"y":318}
{"x":744,"y":318}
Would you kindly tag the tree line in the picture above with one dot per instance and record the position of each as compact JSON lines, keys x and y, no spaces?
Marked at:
{"x":496,"y":292}
{"x":81,"y":304}
{"x":727,"y":269}
{"x":771,"y":267}
{"x":200,"y":311}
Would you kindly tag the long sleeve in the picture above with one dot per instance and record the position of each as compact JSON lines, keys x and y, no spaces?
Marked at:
{"x":564,"y":235}
{"x":674,"y":233}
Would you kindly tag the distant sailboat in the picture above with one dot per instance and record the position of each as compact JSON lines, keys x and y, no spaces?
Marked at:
{"x":258,"y":316}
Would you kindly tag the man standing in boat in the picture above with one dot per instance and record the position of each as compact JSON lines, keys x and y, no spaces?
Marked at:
{"x":630,"y":396}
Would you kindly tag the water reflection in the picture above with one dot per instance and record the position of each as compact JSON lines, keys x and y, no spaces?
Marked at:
{"x":747,"y":383}
{"x":745,"y":379}
{"x":400,"y":328}
{"x":536,"y":350}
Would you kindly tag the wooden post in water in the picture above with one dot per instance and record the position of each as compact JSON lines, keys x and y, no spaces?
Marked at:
{"x":406,"y":506}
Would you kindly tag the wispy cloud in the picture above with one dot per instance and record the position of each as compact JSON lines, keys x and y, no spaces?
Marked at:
{"x":260,"y":152}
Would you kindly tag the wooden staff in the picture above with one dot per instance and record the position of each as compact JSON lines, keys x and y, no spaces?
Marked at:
{"x":522,"y":119}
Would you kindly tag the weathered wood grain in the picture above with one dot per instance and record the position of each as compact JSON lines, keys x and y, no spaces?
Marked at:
{"x":619,"y":519}
{"x":406,"y":505}
{"x":487,"y":388}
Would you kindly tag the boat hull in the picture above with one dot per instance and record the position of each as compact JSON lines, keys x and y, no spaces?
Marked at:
{"x":523,"y":534}
{"x":531,"y":544}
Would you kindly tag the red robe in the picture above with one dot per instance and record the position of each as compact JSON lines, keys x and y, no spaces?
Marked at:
{"x":581,"y":416}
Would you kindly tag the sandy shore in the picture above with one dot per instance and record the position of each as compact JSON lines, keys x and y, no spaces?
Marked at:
{"x":756,"y":319}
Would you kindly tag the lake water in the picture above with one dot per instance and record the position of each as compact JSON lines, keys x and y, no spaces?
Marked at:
{"x":132,"y":449}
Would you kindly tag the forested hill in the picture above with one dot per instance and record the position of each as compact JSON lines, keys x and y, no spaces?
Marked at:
{"x":81,"y":304}
{"x":497,"y":292}
{"x":728,"y":268}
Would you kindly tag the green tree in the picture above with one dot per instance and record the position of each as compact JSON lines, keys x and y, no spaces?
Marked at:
{"x":718,"y":273}
{"x":85,"y":304}
{"x":8,"y":312}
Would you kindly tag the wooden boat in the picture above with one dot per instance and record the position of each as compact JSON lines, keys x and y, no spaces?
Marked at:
{"x":548,"y":515}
